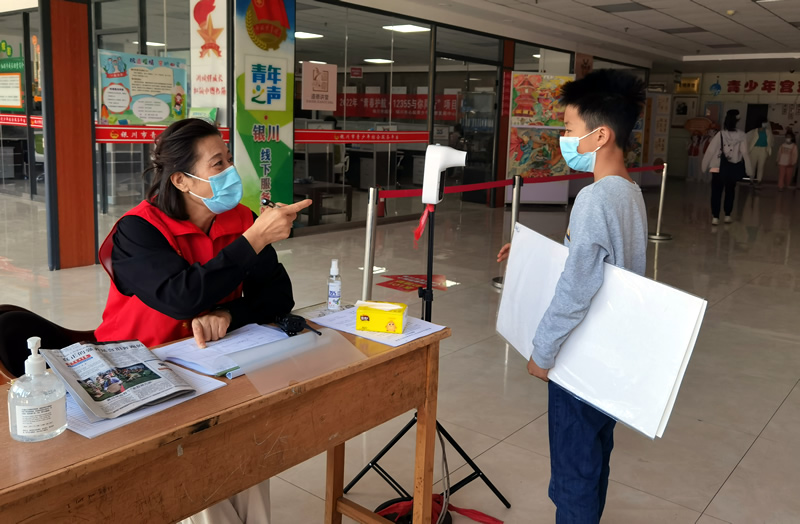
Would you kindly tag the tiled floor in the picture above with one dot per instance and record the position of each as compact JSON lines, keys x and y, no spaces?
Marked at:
{"x":730,"y":452}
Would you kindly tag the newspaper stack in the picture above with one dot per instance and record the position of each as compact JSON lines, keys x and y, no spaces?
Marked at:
{"x":109,"y":380}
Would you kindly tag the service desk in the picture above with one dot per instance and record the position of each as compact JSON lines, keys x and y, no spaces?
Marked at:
{"x":184,"y":459}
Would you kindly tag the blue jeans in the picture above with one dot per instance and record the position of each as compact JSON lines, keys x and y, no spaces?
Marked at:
{"x":581,"y":440}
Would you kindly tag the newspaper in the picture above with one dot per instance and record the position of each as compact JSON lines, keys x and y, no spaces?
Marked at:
{"x":109,"y":380}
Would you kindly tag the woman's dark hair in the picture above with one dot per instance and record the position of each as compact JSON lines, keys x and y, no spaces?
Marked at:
{"x":175,"y":151}
{"x":730,"y":119}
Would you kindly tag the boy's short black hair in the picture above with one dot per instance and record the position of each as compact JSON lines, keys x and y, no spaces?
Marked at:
{"x":607,"y":97}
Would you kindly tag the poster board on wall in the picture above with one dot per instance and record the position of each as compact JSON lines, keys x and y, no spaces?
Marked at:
{"x":535,"y":124}
{"x":656,"y":135}
{"x":264,"y":78}
{"x":141,"y":89}
{"x":209,"y":56}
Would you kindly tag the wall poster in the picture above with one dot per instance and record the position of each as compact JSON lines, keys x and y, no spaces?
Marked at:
{"x":140,"y":89}
{"x":209,"y":52}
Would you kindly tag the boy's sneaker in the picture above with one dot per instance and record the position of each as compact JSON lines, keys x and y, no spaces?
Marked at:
{"x":728,"y":220}
{"x":714,"y":221}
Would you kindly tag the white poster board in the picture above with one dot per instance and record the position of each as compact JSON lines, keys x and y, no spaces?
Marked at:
{"x":319,"y":87}
{"x":628,"y":356}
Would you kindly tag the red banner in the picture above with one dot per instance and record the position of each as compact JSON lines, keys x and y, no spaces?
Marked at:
{"x":404,"y":107}
{"x":7,"y":119}
{"x":136,"y":134}
{"x":324,"y":136}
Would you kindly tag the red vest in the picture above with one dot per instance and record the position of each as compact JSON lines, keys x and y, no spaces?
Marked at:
{"x":128,"y":318}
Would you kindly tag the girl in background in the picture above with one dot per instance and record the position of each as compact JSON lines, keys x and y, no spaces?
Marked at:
{"x":787,"y":159}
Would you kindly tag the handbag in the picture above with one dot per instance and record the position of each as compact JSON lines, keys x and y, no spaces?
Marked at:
{"x":728,"y":169}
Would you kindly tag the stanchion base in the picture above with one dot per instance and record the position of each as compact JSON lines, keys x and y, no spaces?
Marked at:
{"x":497,"y":282}
{"x":663,"y":237}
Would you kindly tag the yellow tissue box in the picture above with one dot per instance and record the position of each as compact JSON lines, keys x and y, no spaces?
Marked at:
{"x":382,"y":317}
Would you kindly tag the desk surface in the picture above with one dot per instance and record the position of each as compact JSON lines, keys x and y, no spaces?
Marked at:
{"x":36,"y":468}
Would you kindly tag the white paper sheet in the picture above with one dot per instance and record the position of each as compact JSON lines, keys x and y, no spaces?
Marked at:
{"x":80,"y":424}
{"x":628,"y":356}
{"x":346,"y":321}
{"x":214,"y":359}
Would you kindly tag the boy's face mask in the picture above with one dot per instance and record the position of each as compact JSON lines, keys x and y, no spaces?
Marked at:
{"x":578,"y":161}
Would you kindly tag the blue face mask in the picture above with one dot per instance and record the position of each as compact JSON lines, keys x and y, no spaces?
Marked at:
{"x":578,"y":161}
{"x":227,"y":190}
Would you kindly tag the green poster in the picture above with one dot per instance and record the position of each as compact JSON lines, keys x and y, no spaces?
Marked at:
{"x":264,"y":100}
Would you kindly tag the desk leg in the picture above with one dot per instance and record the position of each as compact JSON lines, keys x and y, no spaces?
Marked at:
{"x":426,"y":443}
{"x":334,"y":486}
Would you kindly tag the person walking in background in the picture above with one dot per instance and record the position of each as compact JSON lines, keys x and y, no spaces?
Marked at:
{"x":725,"y":174}
{"x":787,"y":160}
{"x":759,"y":145}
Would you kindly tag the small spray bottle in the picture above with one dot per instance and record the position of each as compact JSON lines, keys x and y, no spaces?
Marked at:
{"x":334,"y":287}
{"x":37,"y":401}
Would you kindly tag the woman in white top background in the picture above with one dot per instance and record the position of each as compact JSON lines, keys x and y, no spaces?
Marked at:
{"x":787,"y":159}
{"x":736,"y":150}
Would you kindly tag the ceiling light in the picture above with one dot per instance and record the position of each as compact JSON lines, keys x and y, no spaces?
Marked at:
{"x":741,"y":56}
{"x":537,"y":56}
{"x":407,"y":28}
{"x":474,"y":79}
{"x":151,"y":44}
{"x":301,"y":34}
{"x":316,"y":62}
{"x":378,"y":61}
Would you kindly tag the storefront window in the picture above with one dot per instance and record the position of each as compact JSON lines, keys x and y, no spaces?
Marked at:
{"x":21,"y":144}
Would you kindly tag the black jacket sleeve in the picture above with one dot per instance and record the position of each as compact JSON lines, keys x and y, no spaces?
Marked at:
{"x":145,"y":265}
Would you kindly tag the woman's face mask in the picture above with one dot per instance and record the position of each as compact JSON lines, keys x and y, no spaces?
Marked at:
{"x":226,"y":188}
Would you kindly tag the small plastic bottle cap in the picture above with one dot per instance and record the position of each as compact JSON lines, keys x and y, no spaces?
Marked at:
{"x":335,"y":266}
{"x":35,"y":364}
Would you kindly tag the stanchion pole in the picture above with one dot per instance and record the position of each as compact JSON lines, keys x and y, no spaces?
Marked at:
{"x":659,"y":236}
{"x":369,"y":244}
{"x":516,"y":195}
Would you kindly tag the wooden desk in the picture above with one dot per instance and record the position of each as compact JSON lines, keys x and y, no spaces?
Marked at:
{"x":184,"y":459}
{"x":318,"y":191}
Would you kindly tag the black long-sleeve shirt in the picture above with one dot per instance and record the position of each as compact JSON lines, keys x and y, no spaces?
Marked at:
{"x":146,"y":265}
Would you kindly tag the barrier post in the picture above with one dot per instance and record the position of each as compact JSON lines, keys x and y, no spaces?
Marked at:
{"x":516,"y":196}
{"x":659,"y":236}
{"x":369,"y":244}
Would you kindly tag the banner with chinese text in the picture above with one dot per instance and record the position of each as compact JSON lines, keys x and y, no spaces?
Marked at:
{"x":264,"y":71}
{"x":210,"y":56}
{"x":404,"y":107}
{"x":752,"y":84}
{"x":140,"y":89}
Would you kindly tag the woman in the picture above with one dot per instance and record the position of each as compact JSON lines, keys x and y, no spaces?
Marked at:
{"x":190,"y":260}
{"x":787,"y":160}
{"x":735,"y":146}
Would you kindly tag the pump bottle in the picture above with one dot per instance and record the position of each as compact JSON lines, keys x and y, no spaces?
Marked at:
{"x":334,"y":287}
{"x":37,"y":402}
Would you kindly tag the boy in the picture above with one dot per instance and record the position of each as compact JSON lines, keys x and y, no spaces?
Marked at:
{"x":608,"y":224}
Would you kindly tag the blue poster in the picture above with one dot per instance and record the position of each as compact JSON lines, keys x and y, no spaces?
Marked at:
{"x":141,"y":90}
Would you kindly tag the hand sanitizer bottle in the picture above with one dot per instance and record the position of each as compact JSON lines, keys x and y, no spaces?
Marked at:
{"x":334,"y":287}
{"x":37,"y":402}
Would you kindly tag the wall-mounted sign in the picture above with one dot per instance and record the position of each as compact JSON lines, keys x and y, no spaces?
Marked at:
{"x":209,"y":54}
{"x":140,"y":89}
{"x":319,"y":87}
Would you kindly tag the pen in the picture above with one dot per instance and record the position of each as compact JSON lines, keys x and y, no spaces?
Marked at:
{"x":269,"y":203}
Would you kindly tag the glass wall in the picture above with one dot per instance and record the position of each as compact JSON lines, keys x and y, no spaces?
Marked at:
{"x":117,"y":23}
{"x":467,"y":69}
{"x":21,"y":144}
{"x":382,"y":84}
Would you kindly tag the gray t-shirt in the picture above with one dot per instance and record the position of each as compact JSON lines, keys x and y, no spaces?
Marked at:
{"x":608,"y":224}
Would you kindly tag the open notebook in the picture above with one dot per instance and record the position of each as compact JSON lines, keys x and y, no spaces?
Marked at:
{"x":628,"y":356}
{"x":215,"y":359}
